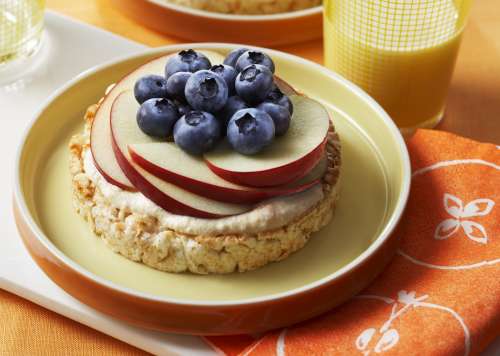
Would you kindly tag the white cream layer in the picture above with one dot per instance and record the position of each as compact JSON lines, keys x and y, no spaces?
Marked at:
{"x":268,"y":215}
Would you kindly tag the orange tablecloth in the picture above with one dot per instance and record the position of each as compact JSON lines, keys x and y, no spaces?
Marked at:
{"x":473,"y":111}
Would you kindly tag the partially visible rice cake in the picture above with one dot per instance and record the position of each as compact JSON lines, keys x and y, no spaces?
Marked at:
{"x":136,"y":228}
{"x":248,"y":7}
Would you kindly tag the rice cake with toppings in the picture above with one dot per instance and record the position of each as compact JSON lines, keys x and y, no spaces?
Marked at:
{"x":138,"y":229}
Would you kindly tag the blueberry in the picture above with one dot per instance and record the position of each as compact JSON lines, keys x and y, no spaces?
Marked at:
{"x":254,"y":57}
{"x":182,"y":107}
{"x":206,"y":91}
{"x":254,"y":83}
{"x":233,"y":104}
{"x":186,"y":61}
{"x":176,"y":84}
{"x":156,"y":117}
{"x":150,"y":86}
{"x":227,"y":73}
{"x":250,"y":130}
{"x":276,"y":96}
{"x":280,"y":115}
{"x":197,"y":132}
{"x":233,"y":56}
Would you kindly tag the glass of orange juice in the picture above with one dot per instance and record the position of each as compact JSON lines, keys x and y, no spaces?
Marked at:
{"x":402,"y":52}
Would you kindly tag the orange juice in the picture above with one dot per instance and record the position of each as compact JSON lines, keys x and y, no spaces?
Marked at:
{"x":403,"y":55}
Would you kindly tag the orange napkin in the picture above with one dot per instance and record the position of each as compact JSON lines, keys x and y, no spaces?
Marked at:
{"x":441,"y":293}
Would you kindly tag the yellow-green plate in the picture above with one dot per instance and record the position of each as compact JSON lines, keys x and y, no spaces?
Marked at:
{"x":337,"y":262}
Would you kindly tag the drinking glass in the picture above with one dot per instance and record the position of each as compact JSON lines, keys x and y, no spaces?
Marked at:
{"x":21,"y":25}
{"x":402,"y":52}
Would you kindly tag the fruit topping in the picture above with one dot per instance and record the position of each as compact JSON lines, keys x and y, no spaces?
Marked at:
{"x":287,"y":159}
{"x":183,"y":108}
{"x":168,"y":162}
{"x":250,"y":130}
{"x":233,"y":104}
{"x":206,"y":91}
{"x":186,"y":61}
{"x":227,"y":73}
{"x":284,"y":87}
{"x":150,"y":86}
{"x":207,"y":97}
{"x":157,"y":116}
{"x":276,"y":96}
{"x":197,"y":132}
{"x":254,"y":57}
{"x":172,"y":198}
{"x":100,"y":134}
{"x":169,"y":142}
{"x":176,"y":84}
{"x":233,"y":56}
{"x":254,"y":83}
{"x":280,"y":115}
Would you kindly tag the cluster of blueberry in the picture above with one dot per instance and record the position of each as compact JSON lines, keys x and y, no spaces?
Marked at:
{"x":199,"y":103}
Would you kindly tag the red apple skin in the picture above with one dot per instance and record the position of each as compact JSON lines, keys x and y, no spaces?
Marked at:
{"x":285,"y":88}
{"x":276,"y":176}
{"x":109,"y":179}
{"x":151,"y":192}
{"x":106,"y":176}
{"x":215,"y":192}
{"x":158,"y":197}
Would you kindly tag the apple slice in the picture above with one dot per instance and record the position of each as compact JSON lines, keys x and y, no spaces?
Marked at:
{"x":100,"y":135}
{"x":288,"y":158}
{"x":170,"y":163}
{"x":170,"y":197}
{"x":285,"y":88}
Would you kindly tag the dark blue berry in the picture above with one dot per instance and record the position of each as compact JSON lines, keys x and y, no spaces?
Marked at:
{"x":227,"y":73}
{"x":250,"y":131}
{"x":233,"y":56}
{"x":254,"y":83}
{"x":206,"y":91}
{"x":276,"y":96}
{"x":233,"y":104}
{"x":197,"y":132}
{"x":182,"y":107}
{"x":176,"y":84}
{"x":186,"y":61}
{"x":150,"y":86}
{"x":280,"y":115}
{"x":156,"y":117}
{"x":254,"y":57}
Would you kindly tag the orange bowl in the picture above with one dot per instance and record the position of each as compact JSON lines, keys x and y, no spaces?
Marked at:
{"x":204,"y":26}
{"x":339,"y":261}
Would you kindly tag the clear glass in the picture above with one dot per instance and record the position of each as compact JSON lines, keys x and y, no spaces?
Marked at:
{"x":402,"y":52}
{"x":21,"y":25}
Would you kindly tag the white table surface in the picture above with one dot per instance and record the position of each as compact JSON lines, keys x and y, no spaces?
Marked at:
{"x":70,"y":47}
